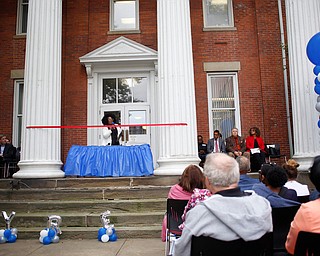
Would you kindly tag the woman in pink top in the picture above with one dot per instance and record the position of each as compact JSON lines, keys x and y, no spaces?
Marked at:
{"x":191,"y":178}
{"x":308,"y":216}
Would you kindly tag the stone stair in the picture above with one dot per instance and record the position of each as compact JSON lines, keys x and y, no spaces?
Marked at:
{"x":137,"y":205}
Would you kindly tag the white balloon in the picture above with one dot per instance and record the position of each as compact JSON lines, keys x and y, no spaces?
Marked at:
{"x":1,"y":232}
{"x":3,"y":240}
{"x":318,"y":106}
{"x":105,"y":238}
{"x":14,"y":231}
{"x":318,"y":99}
{"x":41,"y":239}
{"x":43,"y":233}
{"x":109,"y":231}
{"x":55,"y":239}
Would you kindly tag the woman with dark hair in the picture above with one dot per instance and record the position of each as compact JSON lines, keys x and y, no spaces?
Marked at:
{"x":255,"y":146}
{"x":110,"y":135}
{"x":191,"y":178}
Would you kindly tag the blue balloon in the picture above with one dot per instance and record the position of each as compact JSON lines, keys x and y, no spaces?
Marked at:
{"x":7,"y":233}
{"x":316,"y":70}
{"x":102,"y":231}
{"x":113,"y":237}
{"x":51,"y":233}
{"x":317,"y":89}
{"x":316,"y":81}
{"x":319,"y":123}
{"x":12,"y":239}
{"x":313,"y":49}
{"x":47,"y":240}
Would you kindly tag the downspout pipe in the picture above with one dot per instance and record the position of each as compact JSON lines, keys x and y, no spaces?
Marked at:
{"x":285,"y":77}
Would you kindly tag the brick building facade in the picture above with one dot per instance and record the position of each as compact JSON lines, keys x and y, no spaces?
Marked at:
{"x":247,"y":49}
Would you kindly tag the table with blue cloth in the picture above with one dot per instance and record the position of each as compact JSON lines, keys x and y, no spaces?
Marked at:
{"x":114,"y":161}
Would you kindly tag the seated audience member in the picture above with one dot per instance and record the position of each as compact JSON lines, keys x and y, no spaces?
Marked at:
{"x":202,"y":150}
{"x":229,"y":214}
{"x":245,"y":182}
{"x":308,"y":216}
{"x":236,"y":145}
{"x":272,"y":179}
{"x":255,"y":146}
{"x":216,"y":144}
{"x":191,"y":178}
{"x":292,"y":173}
{"x":7,"y":153}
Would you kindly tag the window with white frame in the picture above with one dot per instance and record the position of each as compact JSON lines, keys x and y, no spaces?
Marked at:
{"x":124,"y":15}
{"x":22,"y":16}
{"x":17,"y":112}
{"x":217,"y":13}
{"x":124,"y":90}
{"x":224,"y":110}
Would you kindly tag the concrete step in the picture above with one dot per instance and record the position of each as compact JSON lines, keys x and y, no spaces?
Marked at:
{"x":94,"y":193}
{"x":151,"y":231}
{"x":76,"y":219}
{"x":89,"y":182}
{"x":92,"y":206}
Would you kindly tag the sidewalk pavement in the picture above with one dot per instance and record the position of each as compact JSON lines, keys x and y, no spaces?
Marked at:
{"x":84,"y":247}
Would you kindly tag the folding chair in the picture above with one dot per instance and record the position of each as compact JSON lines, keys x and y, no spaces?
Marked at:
{"x":175,"y":209}
{"x":208,"y":246}
{"x":307,"y":244}
{"x":281,"y":219}
{"x":273,"y":151}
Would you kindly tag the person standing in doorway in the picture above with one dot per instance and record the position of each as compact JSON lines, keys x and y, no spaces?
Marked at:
{"x":110,"y":135}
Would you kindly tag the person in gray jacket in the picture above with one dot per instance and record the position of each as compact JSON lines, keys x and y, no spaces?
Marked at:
{"x":229,"y":214}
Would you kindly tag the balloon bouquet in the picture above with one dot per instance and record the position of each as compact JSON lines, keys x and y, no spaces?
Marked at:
{"x":50,"y":234}
{"x":107,"y":232}
{"x":313,"y":52}
{"x":9,"y":234}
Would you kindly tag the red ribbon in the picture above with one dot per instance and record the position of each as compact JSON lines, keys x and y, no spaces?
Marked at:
{"x":98,"y":126}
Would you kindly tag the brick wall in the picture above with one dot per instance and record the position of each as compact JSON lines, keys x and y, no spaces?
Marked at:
{"x":255,"y":44}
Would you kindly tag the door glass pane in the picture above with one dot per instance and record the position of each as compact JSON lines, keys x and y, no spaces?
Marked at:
{"x":117,"y":115}
{"x":222,"y":92}
{"x":124,"y":90}
{"x":139,"y":89}
{"x":137,"y":117}
{"x":124,"y":17}
{"x":109,"y":92}
{"x":224,"y":121}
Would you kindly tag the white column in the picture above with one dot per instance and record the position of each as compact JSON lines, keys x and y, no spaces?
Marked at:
{"x":176,"y":96}
{"x":40,"y":148}
{"x":302,"y":23}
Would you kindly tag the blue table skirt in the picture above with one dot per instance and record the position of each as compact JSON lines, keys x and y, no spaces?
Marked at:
{"x":115,"y":161}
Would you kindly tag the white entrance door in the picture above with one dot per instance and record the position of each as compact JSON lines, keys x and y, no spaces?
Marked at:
{"x":131,"y":114}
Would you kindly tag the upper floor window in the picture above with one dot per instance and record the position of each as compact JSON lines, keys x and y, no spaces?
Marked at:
{"x":217,"y":13}
{"x":124,"y":15}
{"x":22,"y":17}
